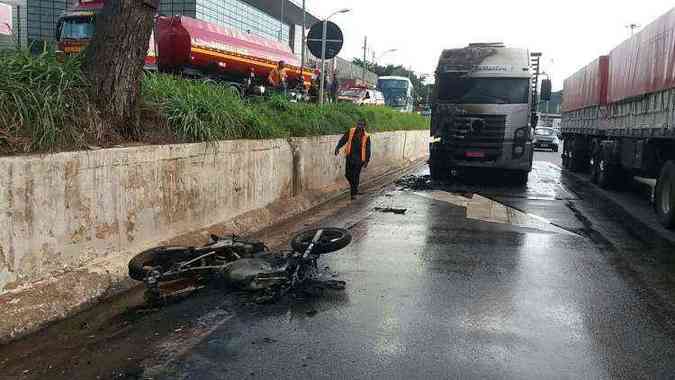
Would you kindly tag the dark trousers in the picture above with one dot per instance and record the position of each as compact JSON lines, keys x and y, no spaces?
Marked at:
{"x":353,"y":174}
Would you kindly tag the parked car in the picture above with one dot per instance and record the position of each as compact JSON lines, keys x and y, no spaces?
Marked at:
{"x":546,"y":138}
{"x":361,"y":96}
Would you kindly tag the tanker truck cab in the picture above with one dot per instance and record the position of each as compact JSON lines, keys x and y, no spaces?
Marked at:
{"x":75,"y":27}
{"x":481,"y":111}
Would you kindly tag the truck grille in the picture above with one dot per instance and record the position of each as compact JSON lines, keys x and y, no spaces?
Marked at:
{"x":480,"y":132}
{"x":477,"y":130}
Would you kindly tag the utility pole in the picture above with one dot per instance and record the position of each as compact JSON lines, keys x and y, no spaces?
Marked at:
{"x":365,"y":63}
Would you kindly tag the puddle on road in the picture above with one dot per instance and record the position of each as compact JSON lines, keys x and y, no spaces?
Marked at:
{"x":485,"y":209}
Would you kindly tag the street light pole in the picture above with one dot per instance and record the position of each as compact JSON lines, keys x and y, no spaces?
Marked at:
{"x":323,"y":52}
{"x":302,"y":44}
{"x":365,"y":62}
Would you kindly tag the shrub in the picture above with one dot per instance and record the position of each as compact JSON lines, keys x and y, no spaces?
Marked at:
{"x":204,"y":111}
{"x":43,"y":102}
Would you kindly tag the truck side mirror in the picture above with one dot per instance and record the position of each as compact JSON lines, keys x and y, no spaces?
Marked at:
{"x":546,"y":88}
{"x":57,"y":31}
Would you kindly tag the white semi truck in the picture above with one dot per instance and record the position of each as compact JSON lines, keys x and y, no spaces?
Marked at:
{"x":482,"y":113}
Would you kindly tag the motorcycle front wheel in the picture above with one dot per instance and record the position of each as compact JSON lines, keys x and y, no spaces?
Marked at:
{"x":332,"y":239}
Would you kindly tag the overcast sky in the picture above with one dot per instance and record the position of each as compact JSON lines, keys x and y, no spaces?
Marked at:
{"x":570,"y":33}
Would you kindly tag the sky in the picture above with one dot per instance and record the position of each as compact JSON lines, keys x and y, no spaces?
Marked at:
{"x":569,"y":33}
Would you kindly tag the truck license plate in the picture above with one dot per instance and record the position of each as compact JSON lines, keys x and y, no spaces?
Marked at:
{"x":475,"y":154}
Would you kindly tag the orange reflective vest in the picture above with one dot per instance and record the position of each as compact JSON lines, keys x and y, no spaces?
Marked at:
{"x":364,"y":144}
{"x":277,"y":76}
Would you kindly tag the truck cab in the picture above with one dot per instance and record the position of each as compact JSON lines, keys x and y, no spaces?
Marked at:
{"x":75,"y":27}
{"x":481,"y":111}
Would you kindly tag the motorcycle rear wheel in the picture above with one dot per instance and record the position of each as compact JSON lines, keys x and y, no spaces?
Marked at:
{"x":332,"y":239}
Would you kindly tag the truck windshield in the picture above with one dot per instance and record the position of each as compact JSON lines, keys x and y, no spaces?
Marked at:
{"x":483,"y":90}
{"x":396,"y":91}
{"x":76,"y":28}
{"x":544,"y":132}
{"x":386,"y":84}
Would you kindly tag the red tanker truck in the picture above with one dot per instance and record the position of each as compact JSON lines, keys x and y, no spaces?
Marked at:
{"x":194,"y":48}
{"x":618,"y":116}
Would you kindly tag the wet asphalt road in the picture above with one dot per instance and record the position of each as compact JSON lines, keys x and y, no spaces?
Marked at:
{"x":479,"y":279}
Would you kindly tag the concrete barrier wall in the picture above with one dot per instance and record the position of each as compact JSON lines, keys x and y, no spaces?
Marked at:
{"x":72,"y":211}
{"x":61,"y":211}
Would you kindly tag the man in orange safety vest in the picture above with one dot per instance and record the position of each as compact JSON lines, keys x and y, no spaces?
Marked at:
{"x":356,"y":143}
{"x":278,"y":76}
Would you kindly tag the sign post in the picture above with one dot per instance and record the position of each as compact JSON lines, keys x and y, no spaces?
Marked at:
{"x":325,"y":40}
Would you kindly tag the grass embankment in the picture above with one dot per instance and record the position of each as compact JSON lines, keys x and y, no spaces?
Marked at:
{"x":44,"y":107}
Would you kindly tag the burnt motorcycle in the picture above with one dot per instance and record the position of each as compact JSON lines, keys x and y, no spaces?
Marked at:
{"x":245,"y":264}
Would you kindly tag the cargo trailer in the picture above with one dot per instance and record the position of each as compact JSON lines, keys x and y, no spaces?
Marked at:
{"x":618,"y":120}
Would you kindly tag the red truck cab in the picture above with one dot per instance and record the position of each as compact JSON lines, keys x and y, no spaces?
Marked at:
{"x":76,"y":26}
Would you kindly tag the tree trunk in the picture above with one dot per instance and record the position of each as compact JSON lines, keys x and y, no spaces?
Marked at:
{"x":115,"y":57}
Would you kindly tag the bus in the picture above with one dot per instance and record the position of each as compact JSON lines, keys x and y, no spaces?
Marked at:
{"x":398,"y":92}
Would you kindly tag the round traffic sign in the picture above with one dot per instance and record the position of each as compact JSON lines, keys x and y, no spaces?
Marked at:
{"x":334,"y":39}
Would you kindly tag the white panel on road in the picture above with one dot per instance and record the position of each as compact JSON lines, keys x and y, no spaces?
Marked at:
{"x":487,"y":210}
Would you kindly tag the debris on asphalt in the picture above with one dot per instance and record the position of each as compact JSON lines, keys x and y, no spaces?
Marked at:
{"x":413,"y":182}
{"x":311,"y":313}
{"x":390,"y":210}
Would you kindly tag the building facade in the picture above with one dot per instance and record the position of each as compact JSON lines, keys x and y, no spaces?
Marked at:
{"x":41,"y":19}
{"x":18,"y":25}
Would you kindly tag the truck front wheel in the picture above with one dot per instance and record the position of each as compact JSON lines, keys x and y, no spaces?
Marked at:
{"x":438,"y":172}
{"x":664,"y":196}
{"x":520,"y":177}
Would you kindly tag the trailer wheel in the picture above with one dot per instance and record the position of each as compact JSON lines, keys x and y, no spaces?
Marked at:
{"x":605,"y":173}
{"x":566,"y":162}
{"x":664,"y":197}
{"x":595,"y":158}
{"x":580,"y":156}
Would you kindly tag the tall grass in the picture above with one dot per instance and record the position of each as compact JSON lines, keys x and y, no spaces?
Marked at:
{"x":43,"y":102}
{"x":200,"y":111}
